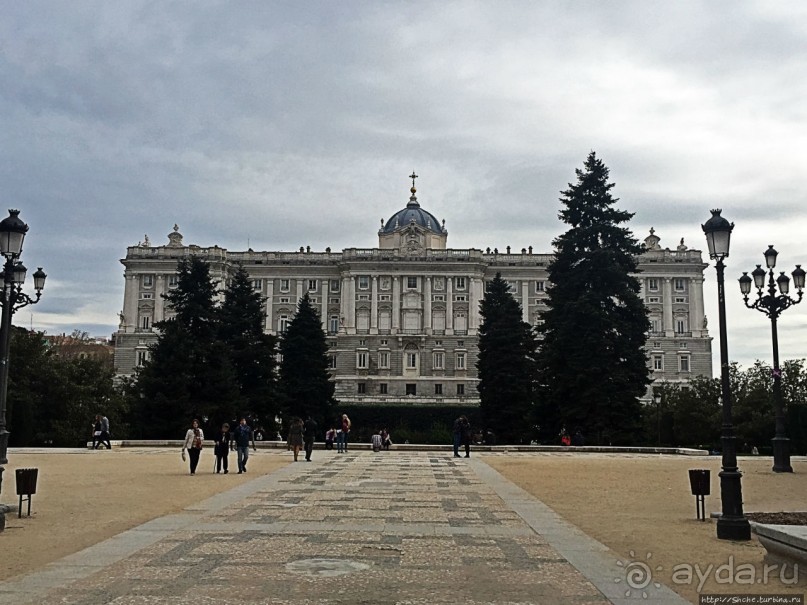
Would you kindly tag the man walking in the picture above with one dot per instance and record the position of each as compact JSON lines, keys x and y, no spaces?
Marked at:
{"x":242,"y":436}
{"x":105,"y":432}
{"x":309,"y":434}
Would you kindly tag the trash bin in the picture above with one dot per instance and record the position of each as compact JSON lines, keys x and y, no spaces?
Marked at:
{"x":26,"y":486}
{"x":700,"y":483}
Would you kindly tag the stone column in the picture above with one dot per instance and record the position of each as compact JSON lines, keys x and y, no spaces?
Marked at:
{"x":300,"y":290}
{"x":374,"y":304}
{"x":351,"y":305}
{"x":473,"y":303}
{"x":396,"y":304}
{"x":525,"y":300}
{"x":325,"y":288}
{"x":449,"y":305}
{"x":131,"y":292}
{"x":696,"y":306}
{"x":270,"y":293}
{"x":666,"y":301}
{"x":159,"y":301}
{"x":427,"y":304}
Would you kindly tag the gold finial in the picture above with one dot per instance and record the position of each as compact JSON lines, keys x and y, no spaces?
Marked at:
{"x":413,"y":176}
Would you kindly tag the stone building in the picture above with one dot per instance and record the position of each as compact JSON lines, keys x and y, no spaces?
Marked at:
{"x":402,"y":319}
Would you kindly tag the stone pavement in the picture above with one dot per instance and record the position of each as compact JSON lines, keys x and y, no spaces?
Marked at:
{"x":393,"y":527}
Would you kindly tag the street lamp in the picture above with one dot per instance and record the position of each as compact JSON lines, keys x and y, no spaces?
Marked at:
{"x":12,"y":234}
{"x":732,"y":524}
{"x":772,"y":305}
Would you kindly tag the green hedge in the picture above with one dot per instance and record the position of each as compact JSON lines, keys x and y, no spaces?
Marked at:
{"x":432,"y":425}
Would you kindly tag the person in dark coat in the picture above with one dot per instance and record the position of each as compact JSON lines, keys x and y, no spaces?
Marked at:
{"x":221,"y":448}
{"x":309,"y":435}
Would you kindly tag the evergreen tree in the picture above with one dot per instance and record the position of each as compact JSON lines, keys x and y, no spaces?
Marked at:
{"x":251,"y":350}
{"x":305,"y":384}
{"x":593,"y":365}
{"x":506,"y":364}
{"x":189,"y":374}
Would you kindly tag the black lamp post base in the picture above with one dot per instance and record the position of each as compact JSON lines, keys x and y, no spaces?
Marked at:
{"x":733,"y":528}
{"x":781,"y":455}
{"x":4,"y":446}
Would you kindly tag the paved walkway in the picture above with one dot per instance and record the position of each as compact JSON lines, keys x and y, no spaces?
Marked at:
{"x":404,"y":528}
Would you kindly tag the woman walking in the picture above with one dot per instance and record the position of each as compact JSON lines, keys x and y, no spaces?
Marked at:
{"x":296,"y":436}
{"x":193,"y":443}
{"x":345,"y":432}
{"x":222,"y":448}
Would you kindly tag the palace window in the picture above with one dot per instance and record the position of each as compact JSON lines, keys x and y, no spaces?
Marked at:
{"x":283,"y":323}
{"x":364,"y":282}
{"x":411,"y":388}
{"x":680,"y":326}
{"x":438,"y":389}
{"x":412,"y":283}
{"x":145,"y":322}
{"x":412,"y":360}
{"x":382,"y":388}
{"x":539,"y":286}
{"x":460,"y":389}
{"x":142,"y":357}
{"x":333,"y":324}
{"x":383,"y":360}
{"x":173,"y":281}
{"x":683,"y":363}
{"x":148,"y":281}
{"x":331,"y":362}
{"x":460,"y":281}
{"x":679,"y":284}
{"x":362,"y":388}
{"x":284,"y":285}
{"x":361,"y":360}
{"x":312,"y":285}
{"x":460,"y":361}
{"x":334,"y":285}
{"x":257,"y":284}
{"x":658,"y":363}
{"x":652,"y":284}
{"x":438,"y":361}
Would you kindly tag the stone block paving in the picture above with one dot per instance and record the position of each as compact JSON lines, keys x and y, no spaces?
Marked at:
{"x":389,"y":528}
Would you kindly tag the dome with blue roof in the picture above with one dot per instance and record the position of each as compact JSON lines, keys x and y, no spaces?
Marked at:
{"x":413,"y":213}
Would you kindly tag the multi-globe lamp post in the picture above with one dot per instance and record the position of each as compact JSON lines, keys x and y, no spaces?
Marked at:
{"x":772,"y":304}
{"x":12,"y":234}
{"x":732,"y":524}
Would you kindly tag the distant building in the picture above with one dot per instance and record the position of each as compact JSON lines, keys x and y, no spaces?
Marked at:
{"x":402,"y":319}
{"x":69,"y":347}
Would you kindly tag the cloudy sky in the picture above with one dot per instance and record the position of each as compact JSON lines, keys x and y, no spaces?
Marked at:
{"x":274,"y":125}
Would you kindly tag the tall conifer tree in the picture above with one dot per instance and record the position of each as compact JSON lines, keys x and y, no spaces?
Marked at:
{"x":592,"y":360}
{"x":251,"y":350}
{"x":189,"y":374}
{"x":305,"y":384}
{"x":506,"y":364}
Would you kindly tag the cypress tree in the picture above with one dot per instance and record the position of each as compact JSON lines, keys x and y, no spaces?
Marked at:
{"x":592,"y":361}
{"x":506,"y":364}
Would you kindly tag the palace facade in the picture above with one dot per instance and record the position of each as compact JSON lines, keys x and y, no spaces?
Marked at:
{"x":402,"y":319}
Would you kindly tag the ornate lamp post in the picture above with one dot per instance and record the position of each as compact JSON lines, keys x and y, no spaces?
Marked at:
{"x":772,"y":305}
{"x":732,"y":524}
{"x":12,"y":234}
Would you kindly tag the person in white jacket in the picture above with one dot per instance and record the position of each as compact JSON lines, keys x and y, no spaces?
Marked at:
{"x":194,"y":439}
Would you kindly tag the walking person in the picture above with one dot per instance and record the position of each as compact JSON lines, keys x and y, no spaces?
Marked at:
{"x":345,"y":431}
{"x":193,"y":443}
{"x":105,"y":432}
{"x":309,"y":435}
{"x":222,"y":448}
{"x":96,"y":432}
{"x":458,"y":424}
{"x":330,"y":435}
{"x":242,"y":436}
{"x":296,"y":436}
{"x":466,"y":436}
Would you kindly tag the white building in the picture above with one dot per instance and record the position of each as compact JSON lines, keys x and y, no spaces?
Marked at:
{"x":402,"y":319}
